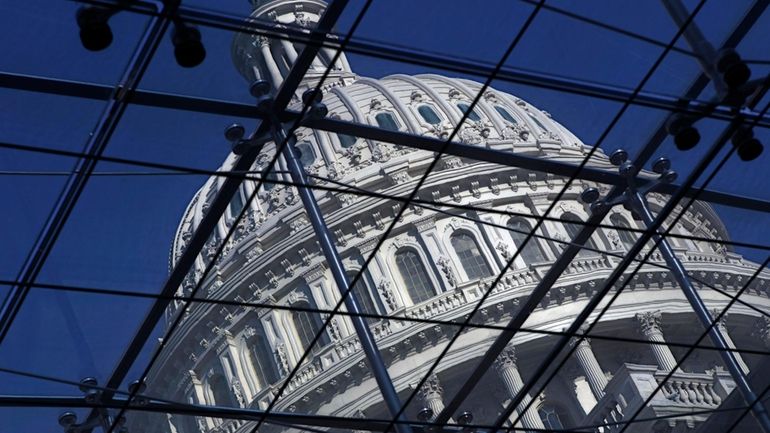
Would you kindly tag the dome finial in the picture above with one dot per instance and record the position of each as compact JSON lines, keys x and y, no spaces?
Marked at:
{"x":259,"y":57}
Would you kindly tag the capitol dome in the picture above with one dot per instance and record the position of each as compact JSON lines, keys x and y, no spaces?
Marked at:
{"x":433,"y":268}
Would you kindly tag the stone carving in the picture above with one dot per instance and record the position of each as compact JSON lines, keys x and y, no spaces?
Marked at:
{"x":494,"y":185}
{"x":387,"y":294}
{"x":381,"y":152}
{"x":471,"y":135}
{"x":474,"y":189}
{"x":304,"y":256}
{"x":238,"y":392}
{"x":446,"y":268}
{"x":649,"y":321}
{"x":334,"y":330}
{"x":298,"y":224}
{"x":504,"y":249}
{"x":256,"y":290}
{"x":282,"y":358}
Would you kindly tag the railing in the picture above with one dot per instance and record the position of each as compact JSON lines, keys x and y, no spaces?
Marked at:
{"x":681,"y":399}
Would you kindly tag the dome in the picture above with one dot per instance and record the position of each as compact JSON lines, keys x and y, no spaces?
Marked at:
{"x":423,"y":105}
{"x":432,"y":270}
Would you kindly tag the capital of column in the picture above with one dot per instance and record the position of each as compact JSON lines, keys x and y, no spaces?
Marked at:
{"x":584,"y":341}
{"x":263,"y":41}
{"x":650,"y":322}
{"x":506,"y":359}
{"x":431,"y":389}
{"x":722,"y":322}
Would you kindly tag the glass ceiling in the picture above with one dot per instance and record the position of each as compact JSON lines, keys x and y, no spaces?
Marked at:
{"x":96,"y":181}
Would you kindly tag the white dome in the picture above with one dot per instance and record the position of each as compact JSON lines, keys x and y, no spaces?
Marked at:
{"x":505,"y":122}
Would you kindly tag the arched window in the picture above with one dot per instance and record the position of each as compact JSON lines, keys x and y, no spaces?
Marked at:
{"x":386,"y":121}
{"x":473,"y":115}
{"x":221,"y":390}
{"x":364,"y":297}
{"x":532,"y":252}
{"x":307,"y":325}
{"x":550,"y":418}
{"x":428,"y":114}
{"x":537,"y":122}
{"x":470,"y":257}
{"x":263,"y":361}
{"x":306,"y":153}
{"x":627,"y":237}
{"x":572,"y":232}
{"x":505,"y":114}
{"x":346,"y":140}
{"x":414,"y":275}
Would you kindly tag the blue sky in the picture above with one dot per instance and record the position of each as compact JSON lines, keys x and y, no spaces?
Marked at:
{"x":119,"y":234}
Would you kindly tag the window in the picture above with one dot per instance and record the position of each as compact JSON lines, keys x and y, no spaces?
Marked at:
{"x":386,"y":121}
{"x":306,"y":153}
{"x":505,"y":114}
{"x":236,"y":205}
{"x":414,"y":275}
{"x":550,"y":418}
{"x":532,"y":252}
{"x":220,"y":390}
{"x":473,"y":115}
{"x":307,"y":325}
{"x":363,"y":296}
{"x":627,"y":237}
{"x":346,"y":140}
{"x":537,"y":122}
{"x":470,"y":257}
{"x":263,"y":361}
{"x":268,"y":182}
{"x":573,"y":230}
{"x":428,"y":114}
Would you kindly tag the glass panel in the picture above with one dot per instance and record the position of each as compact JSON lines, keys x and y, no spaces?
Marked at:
{"x":505,"y":114}
{"x":470,"y":257}
{"x":572,"y":232}
{"x":474,"y":116}
{"x":428,"y":114}
{"x":346,"y":140}
{"x":306,"y":154}
{"x":386,"y":121}
{"x":532,"y":252}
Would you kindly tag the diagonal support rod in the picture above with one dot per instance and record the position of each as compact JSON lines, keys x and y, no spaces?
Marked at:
{"x":313,"y":210}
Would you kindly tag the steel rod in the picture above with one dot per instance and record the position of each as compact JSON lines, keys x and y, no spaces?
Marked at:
{"x":637,"y":201}
{"x":333,"y":259}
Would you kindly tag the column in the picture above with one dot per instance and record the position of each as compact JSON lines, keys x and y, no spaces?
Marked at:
{"x":272,"y":67}
{"x":290,"y":51}
{"x":650,"y":325}
{"x":432,"y":395}
{"x":595,"y":376}
{"x":329,"y":53}
{"x":506,"y":368}
{"x":204,"y":423}
{"x":722,"y":326}
{"x":239,"y":374}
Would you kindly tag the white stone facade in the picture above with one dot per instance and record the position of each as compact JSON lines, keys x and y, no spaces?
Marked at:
{"x":238,"y":356}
